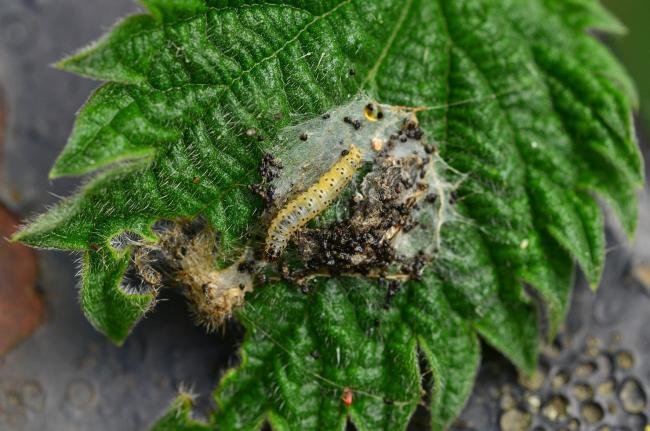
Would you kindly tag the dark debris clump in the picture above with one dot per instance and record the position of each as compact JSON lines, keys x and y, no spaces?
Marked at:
{"x":269,"y":170}
{"x":383,"y":205}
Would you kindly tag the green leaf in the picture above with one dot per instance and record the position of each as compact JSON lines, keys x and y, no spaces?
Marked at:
{"x":110,"y":309}
{"x":175,"y":10}
{"x":307,"y":350}
{"x":110,"y":128}
{"x":585,"y":14}
{"x":521,"y":100}
{"x":179,"y":417}
{"x":345,"y":338}
{"x":449,"y":344}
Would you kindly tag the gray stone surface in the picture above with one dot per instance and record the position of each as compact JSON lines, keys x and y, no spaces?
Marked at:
{"x":599,"y":329}
{"x":68,"y":377}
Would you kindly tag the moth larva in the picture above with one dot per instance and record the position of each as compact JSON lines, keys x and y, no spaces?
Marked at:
{"x":307,"y":205}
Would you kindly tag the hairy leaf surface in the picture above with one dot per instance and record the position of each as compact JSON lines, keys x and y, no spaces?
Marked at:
{"x":516,"y":94}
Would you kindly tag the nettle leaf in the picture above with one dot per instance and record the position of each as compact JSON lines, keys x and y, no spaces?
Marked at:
{"x":179,"y":417}
{"x":302,"y":355}
{"x":518,"y":97}
{"x":110,"y":308}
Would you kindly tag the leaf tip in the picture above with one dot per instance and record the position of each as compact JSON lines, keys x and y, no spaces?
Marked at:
{"x":71,"y":62}
{"x":118,"y":341}
{"x":595,"y":273}
{"x":54,"y":173}
{"x":163,"y":10}
{"x":16,"y":237}
{"x":62,"y":168}
{"x":26,"y":236}
{"x":610,"y":23}
{"x":529,"y":367}
{"x":60,"y":65}
{"x":628,"y":224}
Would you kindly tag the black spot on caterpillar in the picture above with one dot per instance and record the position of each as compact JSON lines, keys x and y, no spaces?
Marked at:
{"x":299,"y":211}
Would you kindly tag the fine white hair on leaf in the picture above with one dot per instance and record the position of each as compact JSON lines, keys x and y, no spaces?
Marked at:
{"x":125,"y":239}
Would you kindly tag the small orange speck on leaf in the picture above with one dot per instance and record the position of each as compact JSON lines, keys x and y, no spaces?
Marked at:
{"x":346,"y":397}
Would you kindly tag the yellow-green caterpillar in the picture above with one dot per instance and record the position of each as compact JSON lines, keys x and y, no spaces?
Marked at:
{"x":307,"y":205}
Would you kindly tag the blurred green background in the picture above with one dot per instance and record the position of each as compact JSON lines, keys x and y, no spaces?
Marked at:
{"x":634,"y":48}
